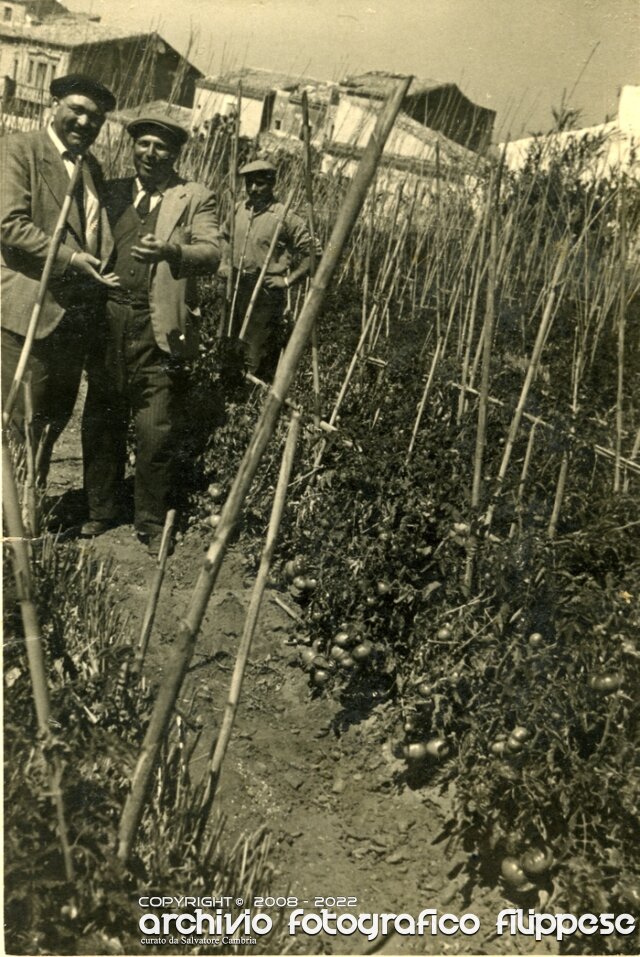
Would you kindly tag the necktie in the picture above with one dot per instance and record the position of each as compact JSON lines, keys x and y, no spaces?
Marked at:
{"x":78,"y":193}
{"x":144,"y":206}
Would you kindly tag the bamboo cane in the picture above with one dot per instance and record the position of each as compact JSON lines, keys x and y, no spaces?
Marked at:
{"x":154,"y":594}
{"x":523,"y":476}
{"x":253,"y":613}
{"x":529,"y":377}
{"x":52,"y":252}
{"x":30,"y":498}
{"x":234,"y":197}
{"x":423,"y":400}
{"x":315,"y":365}
{"x":600,"y":450}
{"x":487,"y":340}
{"x":34,"y":649}
{"x":263,"y":272}
{"x":190,"y":625}
{"x":621,"y":344}
{"x":634,"y":451}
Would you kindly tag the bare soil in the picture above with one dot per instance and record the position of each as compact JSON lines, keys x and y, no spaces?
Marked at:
{"x":343,"y":819}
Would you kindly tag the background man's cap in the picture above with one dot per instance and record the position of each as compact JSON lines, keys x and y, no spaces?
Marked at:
{"x":83,"y":85}
{"x":158,"y":126}
{"x":258,"y":166}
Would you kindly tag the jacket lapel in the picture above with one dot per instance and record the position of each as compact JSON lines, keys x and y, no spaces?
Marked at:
{"x":55,"y":176}
{"x":173,"y":203}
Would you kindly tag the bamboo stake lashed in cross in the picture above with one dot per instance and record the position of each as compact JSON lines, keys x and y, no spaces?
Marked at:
{"x":253,"y":613}
{"x":52,"y":252}
{"x":265,"y":427}
{"x":33,"y":644}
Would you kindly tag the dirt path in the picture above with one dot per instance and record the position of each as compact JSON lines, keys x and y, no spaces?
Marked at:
{"x":340,"y":824}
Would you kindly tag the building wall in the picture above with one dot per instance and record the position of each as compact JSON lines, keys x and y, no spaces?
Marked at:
{"x":27,"y":69}
{"x":209,"y":103}
{"x":137,"y":69}
{"x":353,"y":123}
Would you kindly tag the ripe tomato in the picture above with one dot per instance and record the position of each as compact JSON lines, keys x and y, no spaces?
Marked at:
{"x":537,"y":860}
{"x":300,"y":582}
{"x":498,"y":747}
{"x":307,"y":655}
{"x":347,"y":662}
{"x":520,"y":734}
{"x":310,"y":584}
{"x":342,"y":639}
{"x":337,"y":652}
{"x":415,"y":752}
{"x":290,"y":570}
{"x":512,"y":872}
{"x":215,"y":491}
{"x":321,"y":677}
{"x":437,"y":748}
{"x":383,"y":588}
{"x":424,"y":689}
{"x":605,"y":684}
{"x":535,"y":639}
{"x":444,"y":633}
{"x":362,"y":651}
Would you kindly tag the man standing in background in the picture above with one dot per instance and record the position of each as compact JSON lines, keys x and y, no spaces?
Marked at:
{"x":256,"y":221}
{"x":36,"y":171}
{"x":166,"y":234}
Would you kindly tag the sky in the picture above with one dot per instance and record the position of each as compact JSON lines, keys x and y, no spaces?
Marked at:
{"x":518,"y":57}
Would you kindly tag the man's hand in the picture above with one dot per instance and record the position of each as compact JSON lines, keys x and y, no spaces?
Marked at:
{"x":276,"y":282}
{"x":84,"y":264}
{"x":153,"y":250}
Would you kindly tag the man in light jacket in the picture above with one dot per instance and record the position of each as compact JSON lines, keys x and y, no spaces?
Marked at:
{"x":166,"y":234}
{"x":36,"y":171}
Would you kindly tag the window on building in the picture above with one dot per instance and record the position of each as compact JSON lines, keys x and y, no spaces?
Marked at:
{"x":16,"y":67}
{"x":8,"y":13}
{"x":41,"y":75}
{"x":32,"y":68}
{"x":278,"y":124}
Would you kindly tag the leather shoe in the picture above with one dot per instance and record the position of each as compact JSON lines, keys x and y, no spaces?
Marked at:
{"x":153,"y":541}
{"x":95,"y":527}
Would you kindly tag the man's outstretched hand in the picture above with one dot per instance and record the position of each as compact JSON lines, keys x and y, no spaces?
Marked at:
{"x":84,"y":264}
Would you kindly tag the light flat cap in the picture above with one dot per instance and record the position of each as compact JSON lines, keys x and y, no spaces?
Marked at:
{"x":158,"y":126}
{"x":83,"y":85}
{"x":256,"y":167}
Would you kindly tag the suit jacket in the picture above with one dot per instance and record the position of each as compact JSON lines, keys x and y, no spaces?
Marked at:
{"x":34,"y":183}
{"x":187,"y":218}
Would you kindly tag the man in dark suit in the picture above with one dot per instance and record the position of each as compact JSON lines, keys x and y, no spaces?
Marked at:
{"x":36,"y":170}
{"x":166,"y":234}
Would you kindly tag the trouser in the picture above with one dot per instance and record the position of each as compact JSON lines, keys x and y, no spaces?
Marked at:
{"x":140,"y":381}
{"x":55,"y":369}
{"x":266,"y":332}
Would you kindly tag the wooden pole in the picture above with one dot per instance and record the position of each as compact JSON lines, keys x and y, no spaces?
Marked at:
{"x":622,"y":308}
{"x":253,"y":613}
{"x":265,"y":427}
{"x":308,"y":185}
{"x":233,"y":184}
{"x":34,"y":649}
{"x":54,"y":246}
{"x":156,"y":585}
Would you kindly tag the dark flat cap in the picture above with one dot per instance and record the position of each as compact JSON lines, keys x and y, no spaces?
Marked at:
{"x":158,"y":126}
{"x":256,"y":167}
{"x":83,"y":85}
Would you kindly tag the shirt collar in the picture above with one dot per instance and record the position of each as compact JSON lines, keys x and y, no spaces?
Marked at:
{"x":160,"y":190}
{"x":59,"y":145}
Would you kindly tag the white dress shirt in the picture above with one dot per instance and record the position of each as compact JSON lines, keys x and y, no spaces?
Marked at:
{"x":155,"y":197}
{"x":91,"y":201}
